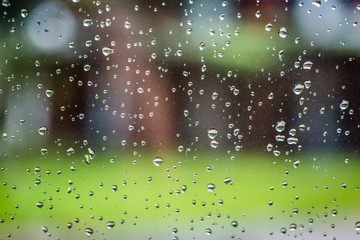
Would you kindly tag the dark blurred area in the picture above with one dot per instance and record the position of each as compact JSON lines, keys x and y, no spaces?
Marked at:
{"x":177,"y":69}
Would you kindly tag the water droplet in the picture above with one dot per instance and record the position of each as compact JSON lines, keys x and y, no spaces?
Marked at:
{"x":158,"y":161}
{"x":258,"y":14}
{"x":39,"y":204}
{"x":227,"y":180}
{"x":210,"y":187}
{"x":49,"y":93}
{"x":89,"y":231}
{"x":344,"y":105}
{"x":6,"y":3}
{"x":43,"y":151}
{"x":280,"y":126}
{"x":283,"y":33}
{"x":268,"y":27}
{"x":283,"y":231}
{"x":280,"y":138}
{"x":222,"y":16}
{"x":357,"y":226}
{"x":296,"y":163}
{"x":298,"y":89}
{"x":202,"y":46}
{"x":292,"y":140}
{"x":269,"y":147}
{"x":292,"y":227}
{"x":214,"y":144}
{"x":24,"y":13}
{"x":70,"y":151}
{"x":281,"y":55}
{"x":140,"y":90}
{"x":316,"y":3}
{"x":37,"y":182}
{"x":127,"y":24}
{"x":107,"y":51}
{"x":87,"y":67}
{"x":212,"y":133}
{"x":234,"y":224}
{"x":87,"y":22}
{"x":45,"y":229}
{"x":208,"y":231}
{"x":91,"y":153}
{"x":307,"y":65}
{"x":43,"y":130}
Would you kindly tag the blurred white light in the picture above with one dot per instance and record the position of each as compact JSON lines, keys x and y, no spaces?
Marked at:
{"x":51,"y":26}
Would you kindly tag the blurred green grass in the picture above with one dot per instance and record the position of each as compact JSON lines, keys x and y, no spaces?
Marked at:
{"x":143,"y":203}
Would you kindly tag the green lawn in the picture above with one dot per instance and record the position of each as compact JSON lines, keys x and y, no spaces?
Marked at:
{"x":142,"y":204}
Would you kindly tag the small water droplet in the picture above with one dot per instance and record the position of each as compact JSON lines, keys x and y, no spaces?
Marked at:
{"x":316,"y":3}
{"x":292,"y":227}
{"x":298,"y":89}
{"x":357,"y":226}
{"x":127,"y":24}
{"x":24,"y":13}
{"x":107,"y":51}
{"x":208,"y":231}
{"x":292,"y":140}
{"x":214,"y":144}
{"x":222,"y":16}
{"x":158,"y":161}
{"x":87,"y":22}
{"x":344,"y":105}
{"x":44,"y":151}
{"x":49,"y":93}
{"x":283,"y":33}
{"x":89,"y":231}
{"x":227,"y":180}
{"x":212,"y":133}
{"x":268,"y":27}
{"x":280,"y":126}
{"x":258,"y":14}
{"x":210,"y":187}
{"x":39,"y":204}
{"x":307,"y":65}
{"x":234,"y":224}
{"x":43,"y":130}
{"x":70,"y":151}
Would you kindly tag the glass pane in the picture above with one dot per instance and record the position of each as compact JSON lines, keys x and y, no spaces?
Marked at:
{"x":196,"y":119}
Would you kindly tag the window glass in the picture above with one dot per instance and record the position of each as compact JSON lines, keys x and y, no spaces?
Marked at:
{"x":194,"y":119}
